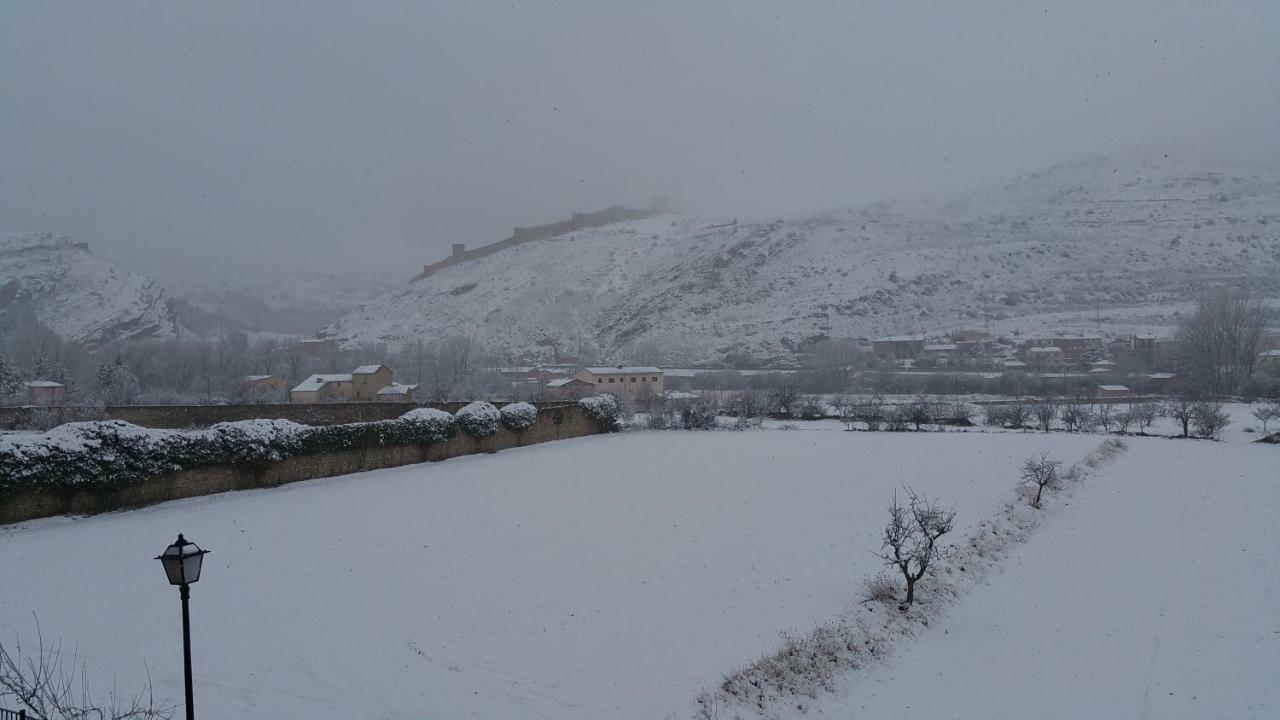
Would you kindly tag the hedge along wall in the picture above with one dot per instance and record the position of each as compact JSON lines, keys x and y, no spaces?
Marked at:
{"x":27,"y":504}
{"x":185,"y":416}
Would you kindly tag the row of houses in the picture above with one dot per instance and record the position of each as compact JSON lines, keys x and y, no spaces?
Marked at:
{"x":376,"y":383}
{"x":1041,"y":353}
{"x":367,"y":383}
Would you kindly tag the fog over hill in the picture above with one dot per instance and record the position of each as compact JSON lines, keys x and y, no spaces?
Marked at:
{"x":1094,"y":234}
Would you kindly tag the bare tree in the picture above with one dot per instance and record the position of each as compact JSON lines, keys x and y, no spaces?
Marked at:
{"x":1125,"y":420}
{"x":1042,"y":473}
{"x":910,"y":538}
{"x":847,"y":408}
{"x":1219,"y":341}
{"x":1144,"y":414}
{"x":53,"y":685}
{"x":1045,"y":411}
{"x":1266,"y":413}
{"x":872,"y":412}
{"x":1209,"y":419}
{"x":1075,"y":416}
{"x":783,"y":394}
{"x":1104,"y":416}
{"x":920,"y":411}
{"x":1019,"y":412}
{"x":1183,"y":410}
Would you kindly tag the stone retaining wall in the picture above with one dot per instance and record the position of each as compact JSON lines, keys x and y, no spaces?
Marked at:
{"x":189,"y":416}
{"x":46,"y":502}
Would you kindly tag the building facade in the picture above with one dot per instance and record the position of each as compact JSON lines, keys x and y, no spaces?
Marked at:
{"x":636,"y":383}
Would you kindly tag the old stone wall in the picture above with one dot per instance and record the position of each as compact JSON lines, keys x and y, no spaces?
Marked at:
{"x":45,"y":502}
{"x":191,"y":416}
{"x":521,"y":235}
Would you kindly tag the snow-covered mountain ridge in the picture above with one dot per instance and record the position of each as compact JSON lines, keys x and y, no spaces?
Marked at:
{"x":58,"y":282}
{"x":1082,"y":235}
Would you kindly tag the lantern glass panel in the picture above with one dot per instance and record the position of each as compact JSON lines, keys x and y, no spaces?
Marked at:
{"x":191,"y":564}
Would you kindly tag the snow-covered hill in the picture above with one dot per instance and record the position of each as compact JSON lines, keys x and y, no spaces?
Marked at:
{"x":82,"y":297}
{"x":1083,"y":235}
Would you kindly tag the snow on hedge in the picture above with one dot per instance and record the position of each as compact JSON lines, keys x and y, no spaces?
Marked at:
{"x":435,"y":425}
{"x":113,"y":452}
{"x":519,"y":416}
{"x":605,"y":410}
{"x":478,"y":419}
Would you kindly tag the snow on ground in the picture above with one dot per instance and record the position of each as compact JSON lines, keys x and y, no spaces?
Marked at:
{"x":599,"y":577}
{"x":1153,"y":595}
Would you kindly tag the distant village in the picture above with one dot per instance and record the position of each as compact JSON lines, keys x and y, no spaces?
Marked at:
{"x":1116,"y":362}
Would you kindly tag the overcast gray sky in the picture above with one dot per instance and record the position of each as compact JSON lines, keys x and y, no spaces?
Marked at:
{"x":376,"y":133}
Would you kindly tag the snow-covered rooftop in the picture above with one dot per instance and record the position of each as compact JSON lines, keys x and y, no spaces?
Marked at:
{"x":397,"y":389}
{"x":44,"y":383}
{"x":941,"y":347}
{"x":1115,"y":388}
{"x":256,"y":378}
{"x":1051,"y":348}
{"x":622,"y":369}
{"x":561,"y":382}
{"x":367,"y":369}
{"x":900,"y":338}
{"x":315,"y":382}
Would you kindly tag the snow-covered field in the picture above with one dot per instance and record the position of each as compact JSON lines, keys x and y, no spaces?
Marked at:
{"x":617,"y":576}
{"x":1153,"y":595}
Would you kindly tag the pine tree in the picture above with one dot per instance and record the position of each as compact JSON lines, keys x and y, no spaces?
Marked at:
{"x":10,"y":377}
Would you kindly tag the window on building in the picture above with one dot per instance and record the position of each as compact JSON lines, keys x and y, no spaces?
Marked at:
{"x":633,"y":379}
{"x":610,"y":379}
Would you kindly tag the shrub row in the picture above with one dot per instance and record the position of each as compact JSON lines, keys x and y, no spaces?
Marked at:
{"x":109,"y":453}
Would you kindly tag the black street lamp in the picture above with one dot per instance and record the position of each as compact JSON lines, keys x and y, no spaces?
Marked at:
{"x":182,"y":562}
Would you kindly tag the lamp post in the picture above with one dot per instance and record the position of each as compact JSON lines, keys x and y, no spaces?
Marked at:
{"x":182,"y":562}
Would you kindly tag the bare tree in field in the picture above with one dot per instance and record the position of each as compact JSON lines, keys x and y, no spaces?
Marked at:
{"x":872,"y":412}
{"x":1266,"y":413}
{"x":1075,"y":416}
{"x":1104,"y":416}
{"x":1181,"y":409}
{"x":783,"y":394}
{"x":1144,"y":414}
{"x":1125,"y":420}
{"x":920,"y":411}
{"x":847,"y":408}
{"x":1042,"y":473}
{"x":910,"y":538}
{"x":1220,"y":340}
{"x":1019,"y":412}
{"x":50,"y":684}
{"x":1045,"y":411}
{"x":1209,"y":419}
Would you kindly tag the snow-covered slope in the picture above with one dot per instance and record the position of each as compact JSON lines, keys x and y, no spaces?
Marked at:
{"x":1151,"y":596}
{"x":1075,"y":236}
{"x":77,"y":294}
